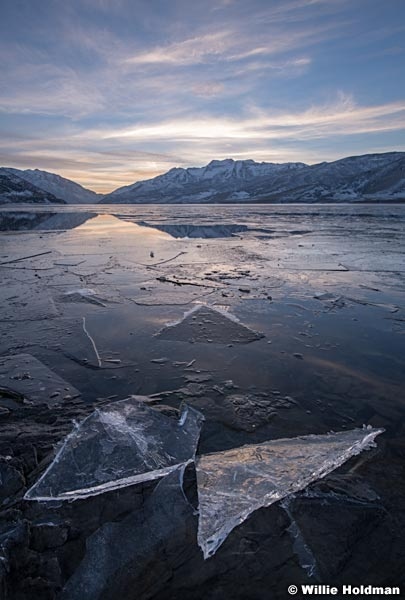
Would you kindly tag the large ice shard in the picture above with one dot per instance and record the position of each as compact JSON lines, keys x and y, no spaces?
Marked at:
{"x":206,"y":324}
{"x":127,"y":553}
{"x":234,"y":483}
{"x":124,"y":443}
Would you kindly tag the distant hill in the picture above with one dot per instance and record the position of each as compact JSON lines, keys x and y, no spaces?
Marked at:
{"x":62,"y":188}
{"x":15,"y":189}
{"x":372,"y":177}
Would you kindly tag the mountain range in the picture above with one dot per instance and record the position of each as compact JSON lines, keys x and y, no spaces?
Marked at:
{"x":371,"y":177}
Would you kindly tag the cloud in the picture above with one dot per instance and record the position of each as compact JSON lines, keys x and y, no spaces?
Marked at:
{"x":187,"y":52}
{"x":63,"y":95}
{"x":232,"y":45}
{"x":208,"y":89}
{"x":343,"y":117}
{"x":91,"y":70}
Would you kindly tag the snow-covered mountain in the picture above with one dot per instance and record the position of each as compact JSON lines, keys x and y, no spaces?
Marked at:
{"x":15,"y":189}
{"x":219,"y":181}
{"x":374,"y":177}
{"x":67,"y":190}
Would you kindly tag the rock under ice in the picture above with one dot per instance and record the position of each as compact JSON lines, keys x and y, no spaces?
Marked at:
{"x":234,"y":483}
{"x":122,"y":444}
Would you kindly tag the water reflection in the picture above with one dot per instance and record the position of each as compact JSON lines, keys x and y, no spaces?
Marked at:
{"x":41,"y":221}
{"x":206,"y":231}
{"x":109,"y":224}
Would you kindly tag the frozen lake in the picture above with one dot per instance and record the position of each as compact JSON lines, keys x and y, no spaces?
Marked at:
{"x":148,"y":300}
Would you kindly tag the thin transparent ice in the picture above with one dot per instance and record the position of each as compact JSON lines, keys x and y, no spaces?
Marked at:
{"x":125,"y":443}
{"x":233,"y":484}
{"x":119,"y":553}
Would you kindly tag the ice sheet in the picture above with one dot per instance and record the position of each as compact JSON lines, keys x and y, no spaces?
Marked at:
{"x":24,"y":374}
{"x":205,"y":324}
{"x":23,"y":302}
{"x":119,"y":553}
{"x":233,"y":484}
{"x":126,"y":442}
{"x":82,"y":295}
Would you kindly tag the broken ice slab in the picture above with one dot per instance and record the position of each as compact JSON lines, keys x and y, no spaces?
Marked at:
{"x":82,"y":295}
{"x":120,"y":553}
{"x":23,"y":302}
{"x":123,"y":443}
{"x":24,"y":374}
{"x":233,"y":484}
{"x":205,"y":324}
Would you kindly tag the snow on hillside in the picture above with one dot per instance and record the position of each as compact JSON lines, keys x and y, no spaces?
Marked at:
{"x":14,"y":189}
{"x":67,"y":190}
{"x":368,"y":177}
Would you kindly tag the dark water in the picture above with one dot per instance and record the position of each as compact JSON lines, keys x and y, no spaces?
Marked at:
{"x":324,"y":284}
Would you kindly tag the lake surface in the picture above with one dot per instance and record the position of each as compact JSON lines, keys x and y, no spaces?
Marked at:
{"x":89,"y":292}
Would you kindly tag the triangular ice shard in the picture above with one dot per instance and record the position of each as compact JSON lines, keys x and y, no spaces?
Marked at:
{"x":126,"y":442}
{"x":205,"y":324}
{"x":233,"y":484}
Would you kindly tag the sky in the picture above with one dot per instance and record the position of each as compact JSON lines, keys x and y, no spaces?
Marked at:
{"x":109,"y":92}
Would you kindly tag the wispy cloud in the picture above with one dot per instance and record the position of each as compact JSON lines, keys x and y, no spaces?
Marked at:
{"x":94,"y":70}
{"x":233,"y":44}
{"x":208,"y":89}
{"x":341,"y":118}
{"x":187,"y":52}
